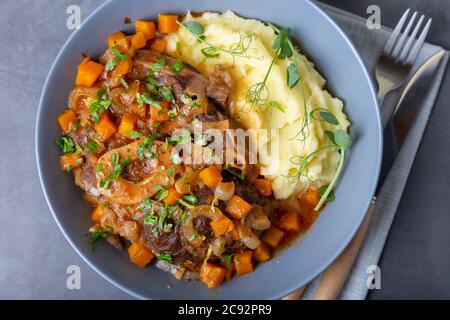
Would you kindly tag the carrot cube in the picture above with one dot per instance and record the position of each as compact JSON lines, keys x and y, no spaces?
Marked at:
{"x":88,"y":72}
{"x":146,"y":27}
{"x":138,"y":41}
{"x":66,"y":119}
{"x":212,"y":274}
{"x":238,"y":207}
{"x":140,"y":254}
{"x":262,"y":253}
{"x":243,"y":262}
{"x":112,"y":39}
{"x":127,"y":124}
{"x":167,"y":23}
{"x":211,"y":176}
{"x":290,"y":221}
{"x":273,"y":237}
{"x":158,"y":45}
{"x":222,"y":226}
{"x":97,"y":214}
{"x":105,"y":127}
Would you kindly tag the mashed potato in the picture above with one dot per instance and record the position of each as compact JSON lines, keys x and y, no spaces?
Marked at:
{"x":224,"y":31}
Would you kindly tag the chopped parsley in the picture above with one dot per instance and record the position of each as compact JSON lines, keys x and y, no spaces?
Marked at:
{"x":99,"y":104}
{"x":150,"y":219}
{"x":181,"y":137}
{"x":92,"y":146}
{"x":166,"y":94}
{"x":146,"y":145}
{"x":145,"y":98}
{"x":146,"y":205}
{"x":235,"y":172}
{"x":162,"y":192}
{"x":66,"y":144}
{"x":177,"y":67}
{"x":98,"y":235}
{"x":166,"y":257}
{"x":190,"y":199}
{"x":158,"y":65}
{"x":124,"y":83}
{"x":228,"y":258}
{"x":135,"y":134}
{"x":119,"y":57}
{"x":170,"y":173}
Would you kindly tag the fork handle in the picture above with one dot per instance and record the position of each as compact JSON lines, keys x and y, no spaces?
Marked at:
{"x":335,"y":275}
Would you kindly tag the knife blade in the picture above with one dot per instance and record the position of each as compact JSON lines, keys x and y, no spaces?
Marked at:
{"x":405,"y":113}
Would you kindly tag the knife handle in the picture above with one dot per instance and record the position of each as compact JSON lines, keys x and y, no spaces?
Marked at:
{"x":335,"y":275}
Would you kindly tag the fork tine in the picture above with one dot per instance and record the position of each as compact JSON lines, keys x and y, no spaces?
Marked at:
{"x":410,"y":41}
{"x":390,"y":43}
{"x":418,"y":45}
{"x":401,"y":41}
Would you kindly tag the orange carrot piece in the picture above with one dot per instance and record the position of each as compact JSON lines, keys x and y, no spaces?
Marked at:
{"x":97,"y":214}
{"x":140,"y":254}
{"x":238,"y":207}
{"x":112,"y":39}
{"x":105,"y":127}
{"x":310,"y":198}
{"x":124,"y":44}
{"x":243,"y":262}
{"x":230,"y":270}
{"x":127,"y":124}
{"x":148,"y":28}
{"x":160,"y":114}
{"x":211,"y":176}
{"x":263,"y":187}
{"x":138,"y":41}
{"x":167,"y":23}
{"x":172,"y":196}
{"x":235,"y":234}
{"x":290,"y":221}
{"x":158,"y":45}
{"x":70,"y":161}
{"x":66,"y":120}
{"x":222,"y":226}
{"x":273,"y":237}
{"x":212,"y":274}
{"x":88,"y":72}
{"x":262,"y":253}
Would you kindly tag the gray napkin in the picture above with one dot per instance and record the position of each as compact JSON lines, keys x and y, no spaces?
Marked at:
{"x":369,"y":44}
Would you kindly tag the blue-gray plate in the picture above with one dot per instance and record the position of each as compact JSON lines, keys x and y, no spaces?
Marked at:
{"x":335,"y":57}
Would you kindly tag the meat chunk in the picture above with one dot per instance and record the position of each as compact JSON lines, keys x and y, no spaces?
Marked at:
{"x":220,"y":85}
{"x":168,"y":242}
{"x":187,"y":81}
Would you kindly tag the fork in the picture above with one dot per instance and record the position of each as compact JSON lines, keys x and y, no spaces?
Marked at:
{"x":392,"y":70}
{"x":394,"y":65}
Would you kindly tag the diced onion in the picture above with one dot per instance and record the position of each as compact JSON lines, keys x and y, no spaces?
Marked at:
{"x":224,"y":191}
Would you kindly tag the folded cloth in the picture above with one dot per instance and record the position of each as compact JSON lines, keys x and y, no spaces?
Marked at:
{"x":370,"y":44}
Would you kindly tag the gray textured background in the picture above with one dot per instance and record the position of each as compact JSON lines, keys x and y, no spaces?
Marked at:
{"x":33,"y":252}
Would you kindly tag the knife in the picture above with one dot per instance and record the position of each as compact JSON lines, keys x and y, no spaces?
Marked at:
{"x":405,"y":112}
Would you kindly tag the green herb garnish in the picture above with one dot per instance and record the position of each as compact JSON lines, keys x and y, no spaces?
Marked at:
{"x":166,"y":257}
{"x":92,"y":146}
{"x":66,"y":144}
{"x":177,"y":67}
{"x":119,"y":57}
{"x":235,"y":172}
{"x":135,"y":134}
{"x":98,"y":235}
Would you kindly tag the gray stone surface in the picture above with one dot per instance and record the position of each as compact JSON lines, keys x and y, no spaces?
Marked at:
{"x":34,"y":255}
